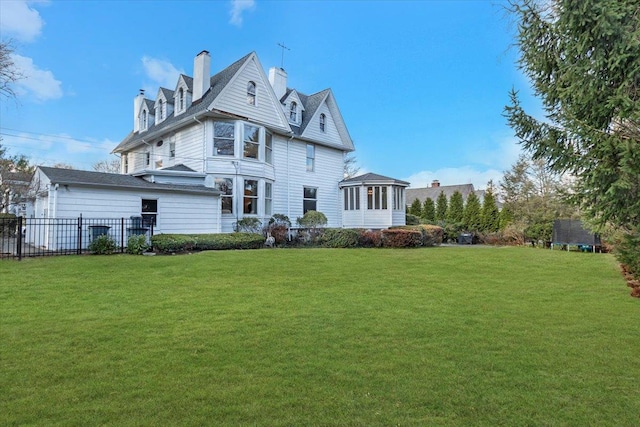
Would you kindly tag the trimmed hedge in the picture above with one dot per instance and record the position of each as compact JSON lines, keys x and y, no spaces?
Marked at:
{"x":401,"y":238}
{"x":430,"y":235}
{"x":170,"y":243}
{"x":340,"y":238}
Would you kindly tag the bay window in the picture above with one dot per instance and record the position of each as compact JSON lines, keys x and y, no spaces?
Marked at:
{"x":225,"y":186}
{"x":268,"y":198}
{"x":223,"y":138}
{"x":352,"y":198}
{"x":251,"y":142}
{"x":250,"y":202}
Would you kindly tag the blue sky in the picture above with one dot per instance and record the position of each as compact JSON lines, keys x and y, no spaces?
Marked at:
{"x":421,"y":84}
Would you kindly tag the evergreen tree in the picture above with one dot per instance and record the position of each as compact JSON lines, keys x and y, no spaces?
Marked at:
{"x":472,"y":213}
{"x":583,"y":59}
{"x":490,"y":214}
{"x":441,"y":207}
{"x":506,"y":216}
{"x":428,"y":211}
{"x":416,"y":208}
{"x":455,"y":214}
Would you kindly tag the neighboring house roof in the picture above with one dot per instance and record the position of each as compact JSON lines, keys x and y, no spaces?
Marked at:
{"x":218,"y":82}
{"x":372,"y":178}
{"x":180,"y":167}
{"x":17,"y":177}
{"x":433,"y":192}
{"x":115,"y":180}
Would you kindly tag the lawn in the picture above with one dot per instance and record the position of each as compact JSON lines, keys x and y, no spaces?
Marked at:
{"x":451,"y":336}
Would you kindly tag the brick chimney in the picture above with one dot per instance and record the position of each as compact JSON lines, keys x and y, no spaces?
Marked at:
{"x":201,"y":75}
{"x":278,"y":80}
{"x":435,"y":183}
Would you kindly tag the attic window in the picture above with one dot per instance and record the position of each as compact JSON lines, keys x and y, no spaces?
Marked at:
{"x":159,"y":144}
{"x":322,"y":121}
{"x":293,"y":112}
{"x":181,"y":99}
{"x":251,"y":93}
{"x":144,"y":119}
{"x":159,"y":112}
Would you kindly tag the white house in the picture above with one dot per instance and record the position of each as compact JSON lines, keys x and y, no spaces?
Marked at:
{"x":267,"y":148}
{"x":216,"y":149}
{"x":64,"y":194}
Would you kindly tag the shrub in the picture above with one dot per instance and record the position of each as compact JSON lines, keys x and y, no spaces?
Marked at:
{"x":103,"y":245}
{"x":278,"y":227}
{"x":8,"y":224}
{"x":314,"y":221}
{"x":171,"y":243}
{"x":432,"y":235}
{"x":370,"y":238}
{"x":249,"y":225}
{"x":401,"y":238}
{"x":137,"y":244}
{"x":412,"y":219}
{"x":340,"y":238}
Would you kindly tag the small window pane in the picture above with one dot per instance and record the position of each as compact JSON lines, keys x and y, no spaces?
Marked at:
{"x":268,"y":148}
{"x":310,"y":193}
{"x":251,"y":141}
{"x":225,"y":186}
{"x":250,"y":197}
{"x":224,"y":139}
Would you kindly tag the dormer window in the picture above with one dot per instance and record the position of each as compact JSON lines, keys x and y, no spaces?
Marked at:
{"x":322,"y":122}
{"x":144,"y":119}
{"x":159,"y":112}
{"x":293,"y":112}
{"x":181,"y":99}
{"x":251,"y":93}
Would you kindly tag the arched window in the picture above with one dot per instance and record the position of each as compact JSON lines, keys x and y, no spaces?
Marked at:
{"x":251,"y":93}
{"x":293,"y":112}
{"x":322,"y":121}
{"x":181,"y":99}
{"x":144,"y":120}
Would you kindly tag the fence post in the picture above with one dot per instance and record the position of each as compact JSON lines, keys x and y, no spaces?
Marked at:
{"x":79,"y":249}
{"x":122,"y":235}
{"x":19,"y":239}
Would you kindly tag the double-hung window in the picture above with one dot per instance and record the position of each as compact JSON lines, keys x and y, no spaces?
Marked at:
{"x":310,"y":199}
{"x":397,"y":198}
{"x":268,"y":148}
{"x":311,"y":157}
{"x":250,"y":196}
{"x":149,"y":212}
{"x":251,"y":142}
{"x":225,"y":186}
{"x":293,"y":112}
{"x":268,"y":198}
{"x":323,"y":119}
{"x":125,"y":160}
{"x":223,"y":138}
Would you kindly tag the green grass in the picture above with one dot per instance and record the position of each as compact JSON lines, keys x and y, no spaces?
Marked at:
{"x":320,"y":337}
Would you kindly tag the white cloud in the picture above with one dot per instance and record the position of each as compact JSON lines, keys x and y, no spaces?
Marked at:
{"x":20,"y":21}
{"x":162,"y":73}
{"x":40,"y":84}
{"x":455,"y":176}
{"x":502,"y":157}
{"x":238,"y":7}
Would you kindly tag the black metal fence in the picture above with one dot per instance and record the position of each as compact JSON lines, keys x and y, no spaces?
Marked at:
{"x":30,"y":237}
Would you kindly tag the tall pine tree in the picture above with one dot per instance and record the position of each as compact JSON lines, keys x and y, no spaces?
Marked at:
{"x":472,"y":213}
{"x":490,"y":214}
{"x":428,"y":211}
{"x":455,"y":215}
{"x":441,"y":207}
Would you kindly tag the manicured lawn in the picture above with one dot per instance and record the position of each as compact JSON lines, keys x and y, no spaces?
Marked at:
{"x":320,"y":337}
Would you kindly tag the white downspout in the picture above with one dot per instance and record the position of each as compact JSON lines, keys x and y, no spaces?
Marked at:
{"x":289,"y":180}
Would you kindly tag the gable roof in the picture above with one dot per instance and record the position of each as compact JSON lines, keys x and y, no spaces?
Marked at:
{"x":218,"y":82}
{"x":372,"y":178}
{"x":167,"y":93}
{"x":114,"y":180}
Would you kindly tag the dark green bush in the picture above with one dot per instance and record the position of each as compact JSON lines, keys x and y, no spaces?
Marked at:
{"x":401,"y":238}
{"x":432,"y":235}
{"x":8,"y":224}
{"x":103,"y":245}
{"x":340,"y":238}
{"x":412,"y":219}
{"x":628,"y":252}
{"x":170,"y":243}
{"x":249,"y":225}
{"x":136,"y":245}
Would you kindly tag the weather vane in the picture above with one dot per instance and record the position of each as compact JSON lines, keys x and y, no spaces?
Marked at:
{"x":282,"y":59}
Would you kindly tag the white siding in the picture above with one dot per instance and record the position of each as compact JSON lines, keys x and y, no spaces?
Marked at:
{"x":234,"y":97}
{"x":190,"y":146}
{"x":330,"y":135}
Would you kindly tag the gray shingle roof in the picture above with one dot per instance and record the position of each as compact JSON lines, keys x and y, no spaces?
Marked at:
{"x":168,"y":94}
{"x":372,"y":178}
{"x":150,"y":106}
{"x":433,"y":192}
{"x":102,"y":179}
{"x":180,"y":167}
{"x":218,"y":82}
